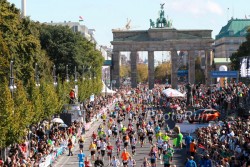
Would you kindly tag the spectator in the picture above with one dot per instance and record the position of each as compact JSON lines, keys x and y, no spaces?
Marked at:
{"x":191,"y":162}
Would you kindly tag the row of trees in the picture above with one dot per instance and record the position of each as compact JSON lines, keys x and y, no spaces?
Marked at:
{"x":27,"y":43}
{"x":162,"y":72}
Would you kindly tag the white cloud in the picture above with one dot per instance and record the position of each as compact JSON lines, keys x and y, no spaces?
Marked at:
{"x":195,"y":7}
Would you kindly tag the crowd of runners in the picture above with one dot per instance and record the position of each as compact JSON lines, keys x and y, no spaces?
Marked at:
{"x":133,"y":121}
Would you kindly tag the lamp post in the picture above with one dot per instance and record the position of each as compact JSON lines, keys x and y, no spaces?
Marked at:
{"x":54,"y":76}
{"x":37,"y":76}
{"x":67,"y":73}
{"x":83,"y":70}
{"x":75,"y":74}
{"x":12,"y":85}
{"x":89,"y":70}
{"x":105,"y":76}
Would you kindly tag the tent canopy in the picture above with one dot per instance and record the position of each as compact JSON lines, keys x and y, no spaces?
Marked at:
{"x":172,"y":93}
{"x":105,"y":89}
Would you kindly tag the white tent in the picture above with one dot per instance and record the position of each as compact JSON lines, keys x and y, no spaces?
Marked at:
{"x":172,"y":93}
{"x":106,"y":90}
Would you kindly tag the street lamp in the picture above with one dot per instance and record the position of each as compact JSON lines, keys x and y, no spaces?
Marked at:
{"x":67,"y":73}
{"x":105,"y":75}
{"x":12,"y":85}
{"x":83,"y":70}
{"x":54,"y":76}
{"x":75,"y":75}
{"x":89,"y":70}
{"x":37,"y":75}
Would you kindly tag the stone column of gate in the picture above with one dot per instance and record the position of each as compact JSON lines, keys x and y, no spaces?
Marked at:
{"x":151,"y":70}
{"x":191,"y":66}
{"x":116,"y":68}
{"x":133,"y":65}
{"x":208,"y":67}
{"x":174,"y":64}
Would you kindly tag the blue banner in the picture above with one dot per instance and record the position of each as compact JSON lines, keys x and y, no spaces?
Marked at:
{"x":222,"y":74}
{"x":181,"y":73}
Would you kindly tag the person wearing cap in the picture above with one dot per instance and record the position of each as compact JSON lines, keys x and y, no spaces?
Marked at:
{"x":191,"y":162}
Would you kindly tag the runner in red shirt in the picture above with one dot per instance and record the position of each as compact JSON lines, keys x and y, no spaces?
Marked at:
{"x":109,"y":151}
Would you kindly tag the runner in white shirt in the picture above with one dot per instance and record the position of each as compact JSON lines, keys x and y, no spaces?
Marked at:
{"x":98,"y":145}
{"x":103,"y":148}
{"x":133,"y":145}
{"x":115,"y":162}
{"x":159,"y":145}
{"x":109,"y":133}
{"x":165,"y":147}
{"x":131,"y":162}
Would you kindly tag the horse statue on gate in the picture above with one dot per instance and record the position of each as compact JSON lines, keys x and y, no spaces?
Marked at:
{"x":161,"y":21}
{"x":152,"y":24}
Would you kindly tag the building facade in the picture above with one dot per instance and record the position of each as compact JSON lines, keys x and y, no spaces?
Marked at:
{"x":230,"y":37}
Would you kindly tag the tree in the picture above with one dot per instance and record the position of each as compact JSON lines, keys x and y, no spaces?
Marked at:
{"x":49,"y":99}
{"x":243,"y":51}
{"x":142,"y":72}
{"x":18,"y":42}
{"x":22,"y":114}
{"x":124,"y":71}
{"x":65,"y":47}
{"x":6,"y":114}
{"x":35,"y":97}
{"x":163,"y":71}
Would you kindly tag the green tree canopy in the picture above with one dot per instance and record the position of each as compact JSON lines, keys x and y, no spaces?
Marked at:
{"x":142,"y":72}
{"x":65,"y":47}
{"x":244,"y":50}
{"x":163,"y":71}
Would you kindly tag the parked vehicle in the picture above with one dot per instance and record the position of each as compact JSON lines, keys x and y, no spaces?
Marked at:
{"x":204,"y":115}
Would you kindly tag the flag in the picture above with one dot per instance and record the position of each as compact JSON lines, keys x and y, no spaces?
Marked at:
{"x":80,"y":18}
{"x":201,"y":146}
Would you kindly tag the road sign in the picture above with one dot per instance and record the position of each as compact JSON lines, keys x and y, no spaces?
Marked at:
{"x":182,"y":73}
{"x":222,"y":74}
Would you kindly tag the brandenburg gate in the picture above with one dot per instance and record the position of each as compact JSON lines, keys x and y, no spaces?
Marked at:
{"x":161,"y":38}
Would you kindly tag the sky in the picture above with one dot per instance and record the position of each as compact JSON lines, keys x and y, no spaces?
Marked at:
{"x":105,"y":15}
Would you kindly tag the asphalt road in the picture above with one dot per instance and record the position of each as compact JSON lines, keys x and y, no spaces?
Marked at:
{"x":141,"y":152}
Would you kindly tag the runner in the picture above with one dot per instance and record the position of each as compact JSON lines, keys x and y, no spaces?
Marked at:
{"x":125,"y":157}
{"x":109,"y":152}
{"x":133,"y":145}
{"x":118,"y":145}
{"x":103,"y":148}
{"x":145,"y":163}
{"x":159,"y":145}
{"x":131,"y":162}
{"x":92,"y":149}
{"x":152,"y":154}
{"x":115,"y":162}
{"x":81,"y":143}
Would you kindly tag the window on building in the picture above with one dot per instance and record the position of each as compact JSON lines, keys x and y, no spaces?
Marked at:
{"x":231,"y":32}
